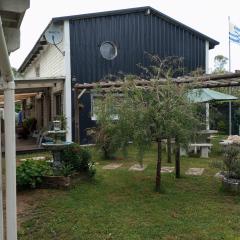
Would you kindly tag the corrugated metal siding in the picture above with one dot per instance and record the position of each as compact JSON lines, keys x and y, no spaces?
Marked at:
{"x":134,"y":34}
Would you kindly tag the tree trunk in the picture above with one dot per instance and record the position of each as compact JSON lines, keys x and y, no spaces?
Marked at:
{"x":177,"y":159}
{"x":159,"y":161}
{"x":169,"y":150}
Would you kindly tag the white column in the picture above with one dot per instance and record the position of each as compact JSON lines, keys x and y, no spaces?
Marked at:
{"x":1,"y":186}
{"x":67,"y":101}
{"x":10,"y":159}
{"x":207,"y":70}
{"x":207,"y":116}
{"x":10,"y":139}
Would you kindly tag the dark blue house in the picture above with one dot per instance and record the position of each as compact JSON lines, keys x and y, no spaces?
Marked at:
{"x":98,"y":44}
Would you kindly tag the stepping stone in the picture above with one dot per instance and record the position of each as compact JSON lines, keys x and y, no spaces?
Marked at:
{"x":112,"y":166}
{"x":219,"y":175}
{"x":194,"y":171}
{"x":41,"y":158}
{"x":137,"y":167}
{"x":167,"y":169}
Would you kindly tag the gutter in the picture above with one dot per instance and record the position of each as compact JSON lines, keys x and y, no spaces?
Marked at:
{"x":10,"y":139}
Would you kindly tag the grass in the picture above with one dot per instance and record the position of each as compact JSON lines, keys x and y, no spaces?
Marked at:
{"x":122,"y":205}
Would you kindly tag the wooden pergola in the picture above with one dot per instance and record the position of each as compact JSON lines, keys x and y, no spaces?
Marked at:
{"x":205,"y":81}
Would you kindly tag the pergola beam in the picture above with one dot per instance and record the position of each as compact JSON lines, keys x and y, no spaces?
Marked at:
{"x":209,"y":81}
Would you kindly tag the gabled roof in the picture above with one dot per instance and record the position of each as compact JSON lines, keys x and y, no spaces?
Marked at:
{"x":41,"y":41}
{"x":212,"y":42}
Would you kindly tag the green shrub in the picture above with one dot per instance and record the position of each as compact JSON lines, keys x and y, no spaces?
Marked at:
{"x":104,"y":138}
{"x":231,"y":162}
{"x":77,"y":157}
{"x":30,"y":172}
{"x":65,"y":170}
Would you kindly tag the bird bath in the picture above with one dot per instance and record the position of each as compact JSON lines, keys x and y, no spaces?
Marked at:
{"x":57,"y":146}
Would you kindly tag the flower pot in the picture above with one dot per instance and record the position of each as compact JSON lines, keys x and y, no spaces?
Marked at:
{"x":231,"y":184}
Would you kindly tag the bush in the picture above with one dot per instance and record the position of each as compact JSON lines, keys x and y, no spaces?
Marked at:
{"x":77,"y":157}
{"x":104,"y":140}
{"x":231,"y":162}
{"x":30,"y":172}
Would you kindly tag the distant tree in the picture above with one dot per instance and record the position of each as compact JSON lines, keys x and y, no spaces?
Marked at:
{"x":151,"y":113}
{"x":220,"y":62}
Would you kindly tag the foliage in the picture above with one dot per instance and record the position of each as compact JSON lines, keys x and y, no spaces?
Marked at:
{"x":220,"y":62}
{"x":65,"y":169}
{"x":18,"y":107}
{"x":76,"y":158}
{"x":231,"y":162}
{"x":30,"y":172}
{"x":104,"y":133}
{"x":154,"y":112}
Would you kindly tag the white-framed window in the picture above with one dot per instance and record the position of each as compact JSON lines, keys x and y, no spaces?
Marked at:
{"x":95,"y":98}
{"x":108,"y":50}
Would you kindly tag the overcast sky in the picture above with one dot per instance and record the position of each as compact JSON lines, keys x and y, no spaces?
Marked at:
{"x":207,"y":16}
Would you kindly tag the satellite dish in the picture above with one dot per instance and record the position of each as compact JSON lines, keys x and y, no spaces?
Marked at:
{"x":54,"y":34}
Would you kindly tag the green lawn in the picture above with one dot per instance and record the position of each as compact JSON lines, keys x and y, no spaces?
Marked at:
{"x":122,"y":205}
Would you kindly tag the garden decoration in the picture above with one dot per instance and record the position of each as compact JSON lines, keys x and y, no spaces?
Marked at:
{"x":57,"y":145}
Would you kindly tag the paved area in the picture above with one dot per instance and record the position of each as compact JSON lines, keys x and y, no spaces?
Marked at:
{"x":195,"y":171}
{"x":167,"y":169}
{"x":137,"y":167}
{"x":112,"y":166}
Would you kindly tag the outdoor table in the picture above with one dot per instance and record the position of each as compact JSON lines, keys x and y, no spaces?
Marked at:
{"x":205,"y":135}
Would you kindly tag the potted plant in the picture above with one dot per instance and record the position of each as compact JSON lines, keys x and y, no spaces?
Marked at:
{"x":231,"y":168}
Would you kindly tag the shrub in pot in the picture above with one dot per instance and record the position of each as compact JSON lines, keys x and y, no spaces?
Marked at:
{"x":231,"y":168}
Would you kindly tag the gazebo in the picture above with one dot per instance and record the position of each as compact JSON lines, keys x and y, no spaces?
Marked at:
{"x":207,"y":96}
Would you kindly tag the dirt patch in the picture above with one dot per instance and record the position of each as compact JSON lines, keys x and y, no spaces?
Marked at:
{"x":27,"y":201}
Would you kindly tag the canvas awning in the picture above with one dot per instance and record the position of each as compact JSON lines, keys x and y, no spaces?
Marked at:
{"x":208,"y":95}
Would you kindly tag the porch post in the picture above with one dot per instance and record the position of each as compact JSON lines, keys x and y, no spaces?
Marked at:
{"x":10,"y":139}
{"x":1,"y":185}
{"x":67,"y":102}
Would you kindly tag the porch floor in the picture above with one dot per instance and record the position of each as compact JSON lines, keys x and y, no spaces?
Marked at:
{"x":25,"y":145}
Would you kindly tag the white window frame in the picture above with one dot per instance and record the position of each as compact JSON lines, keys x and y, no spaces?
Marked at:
{"x":93,"y":115}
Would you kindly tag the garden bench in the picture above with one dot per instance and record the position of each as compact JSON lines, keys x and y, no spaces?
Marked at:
{"x":204,"y":148}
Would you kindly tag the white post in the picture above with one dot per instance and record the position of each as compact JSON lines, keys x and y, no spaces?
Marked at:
{"x":67,"y":103}
{"x":10,"y":140}
{"x":1,"y":186}
{"x":207,"y":117}
{"x":230,"y":90}
{"x":207,"y":70}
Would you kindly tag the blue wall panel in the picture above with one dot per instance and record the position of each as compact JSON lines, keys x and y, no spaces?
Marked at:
{"x":134,"y":34}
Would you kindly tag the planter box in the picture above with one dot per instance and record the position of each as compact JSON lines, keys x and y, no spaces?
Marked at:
{"x":60,"y":182}
{"x":231,"y":184}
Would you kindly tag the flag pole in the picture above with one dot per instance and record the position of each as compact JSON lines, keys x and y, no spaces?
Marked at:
{"x":229,"y":65}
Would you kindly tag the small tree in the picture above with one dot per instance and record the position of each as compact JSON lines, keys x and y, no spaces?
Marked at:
{"x":153,"y":113}
{"x":220,"y":62}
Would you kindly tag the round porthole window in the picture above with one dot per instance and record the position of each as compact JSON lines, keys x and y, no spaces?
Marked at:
{"x":108,"y":50}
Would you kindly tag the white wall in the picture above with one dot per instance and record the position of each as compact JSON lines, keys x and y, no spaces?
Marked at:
{"x":51,"y":63}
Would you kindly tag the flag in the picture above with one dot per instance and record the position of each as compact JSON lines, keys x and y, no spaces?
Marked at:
{"x":234,"y":33}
